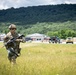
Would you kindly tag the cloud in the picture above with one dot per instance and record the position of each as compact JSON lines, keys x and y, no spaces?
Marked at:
{"x":70,"y":1}
{"x":4,"y":4}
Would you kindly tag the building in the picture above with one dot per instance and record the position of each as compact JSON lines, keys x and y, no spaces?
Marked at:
{"x":37,"y":37}
{"x":2,"y":37}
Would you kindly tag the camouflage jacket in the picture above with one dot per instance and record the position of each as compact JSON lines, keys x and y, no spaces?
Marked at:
{"x":10,"y":36}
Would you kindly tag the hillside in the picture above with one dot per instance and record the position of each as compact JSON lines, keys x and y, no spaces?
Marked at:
{"x":48,"y":13}
{"x":52,"y":20}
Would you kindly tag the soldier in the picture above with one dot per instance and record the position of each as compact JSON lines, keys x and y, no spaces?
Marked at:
{"x":12,"y":48}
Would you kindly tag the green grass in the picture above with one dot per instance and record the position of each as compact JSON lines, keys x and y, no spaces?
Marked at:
{"x":41,"y":59}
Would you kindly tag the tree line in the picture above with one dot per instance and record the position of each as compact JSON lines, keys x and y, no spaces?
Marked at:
{"x":62,"y":30}
{"x":34,"y":14}
{"x":52,"y":20}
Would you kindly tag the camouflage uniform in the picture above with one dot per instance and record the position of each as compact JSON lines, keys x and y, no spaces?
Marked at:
{"x":13,"y":48}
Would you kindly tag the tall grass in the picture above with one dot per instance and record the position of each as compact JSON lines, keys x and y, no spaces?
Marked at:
{"x":41,"y":59}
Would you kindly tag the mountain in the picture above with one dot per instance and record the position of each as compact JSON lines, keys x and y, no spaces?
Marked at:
{"x":34,"y":14}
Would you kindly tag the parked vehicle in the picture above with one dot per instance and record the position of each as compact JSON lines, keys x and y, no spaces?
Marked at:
{"x":28,"y":39}
{"x":54,"y":39}
{"x":69,"y":40}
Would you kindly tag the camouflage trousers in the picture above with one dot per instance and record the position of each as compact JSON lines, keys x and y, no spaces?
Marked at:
{"x":12,"y":55}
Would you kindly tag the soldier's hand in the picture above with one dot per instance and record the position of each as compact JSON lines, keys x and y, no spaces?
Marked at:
{"x":20,"y":40}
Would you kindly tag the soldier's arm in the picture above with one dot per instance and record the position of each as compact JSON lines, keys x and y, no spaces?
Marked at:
{"x":20,"y":38}
{"x":6,"y":38}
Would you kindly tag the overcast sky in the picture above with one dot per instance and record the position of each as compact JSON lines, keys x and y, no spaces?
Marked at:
{"x":5,"y":4}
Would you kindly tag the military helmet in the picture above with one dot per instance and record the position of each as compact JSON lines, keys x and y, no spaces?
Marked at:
{"x":12,"y":26}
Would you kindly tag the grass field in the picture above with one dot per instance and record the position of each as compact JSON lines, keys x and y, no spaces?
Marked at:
{"x":41,"y":59}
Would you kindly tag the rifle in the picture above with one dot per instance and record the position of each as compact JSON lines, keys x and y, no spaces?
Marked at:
{"x":14,"y":52}
{"x":11,"y":42}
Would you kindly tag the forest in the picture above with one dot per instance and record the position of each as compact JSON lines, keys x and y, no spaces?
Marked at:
{"x":52,"y":20}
